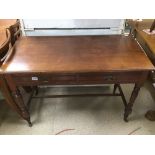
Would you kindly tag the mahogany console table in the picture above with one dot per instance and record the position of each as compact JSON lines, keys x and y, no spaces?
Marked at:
{"x":76,"y":60}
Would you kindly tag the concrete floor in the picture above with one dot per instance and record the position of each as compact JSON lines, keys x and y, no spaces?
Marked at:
{"x":83,"y":115}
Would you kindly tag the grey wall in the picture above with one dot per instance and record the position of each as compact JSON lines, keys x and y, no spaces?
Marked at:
{"x":72,"y":27}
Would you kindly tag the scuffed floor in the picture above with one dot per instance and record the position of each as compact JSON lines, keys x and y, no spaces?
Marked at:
{"x":82,"y":115}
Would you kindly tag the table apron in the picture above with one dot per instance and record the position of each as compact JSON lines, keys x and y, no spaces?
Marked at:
{"x":32,"y":79}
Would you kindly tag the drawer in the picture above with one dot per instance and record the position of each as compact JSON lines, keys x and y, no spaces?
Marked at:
{"x":109,"y":78}
{"x":64,"y":79}
{"x":94,"y":78}
{"x":79,"y":78}
{"x":44,"y":79}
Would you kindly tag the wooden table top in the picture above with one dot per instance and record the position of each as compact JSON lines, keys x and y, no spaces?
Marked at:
{"x":77,"y":54}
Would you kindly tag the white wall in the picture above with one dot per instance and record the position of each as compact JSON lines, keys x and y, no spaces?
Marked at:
{"x":72,"y":27}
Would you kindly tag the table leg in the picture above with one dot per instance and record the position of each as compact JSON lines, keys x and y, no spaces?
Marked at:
{"x":19,"y":100}
{"x":128,"y":107}
{"x":122,"y":95}
{"x":7,"y":95}
{"x":36,"y":90}
{"x":115,"y":88}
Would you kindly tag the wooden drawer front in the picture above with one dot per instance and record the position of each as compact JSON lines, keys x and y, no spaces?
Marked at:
{"x":81,"y":78}
{"x":64,"y":79}
{"x":44,"y":79}
{"x":93,"y":78}
{"x":109,"y":78}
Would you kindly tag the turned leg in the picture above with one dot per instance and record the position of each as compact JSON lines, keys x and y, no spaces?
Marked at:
{"x":128,"y":107}
{"x":115,"y":87}
{"x":122,"y":95}
{"x":19,"y":100}
{"x":36,"y":90}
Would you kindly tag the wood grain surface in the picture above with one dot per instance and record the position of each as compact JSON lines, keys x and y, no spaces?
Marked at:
{"x":77,"y":54}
